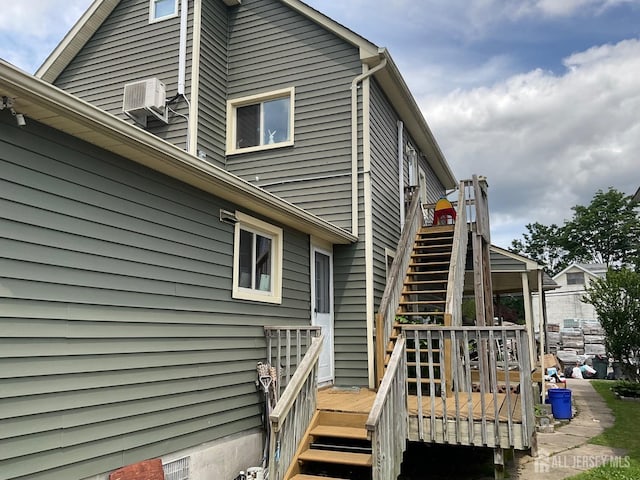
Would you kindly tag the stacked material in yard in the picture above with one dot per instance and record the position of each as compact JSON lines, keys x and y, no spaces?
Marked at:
{"x":575,"y":337}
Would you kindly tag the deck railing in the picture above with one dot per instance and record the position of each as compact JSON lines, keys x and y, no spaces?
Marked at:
{"x":293,"y":412}
{"x":386,"y":315}
{"x":462,"y":408}
{"x":285,"y":347}
{"x":388,"y":420}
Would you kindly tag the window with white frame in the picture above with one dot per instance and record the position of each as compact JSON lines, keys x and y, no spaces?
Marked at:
{"x":257,"y":260}
{"x":260,"y":121}
{"x":162,"y":9}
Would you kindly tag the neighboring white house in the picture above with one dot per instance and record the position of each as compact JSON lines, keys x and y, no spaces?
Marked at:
{"x":565,"y":302}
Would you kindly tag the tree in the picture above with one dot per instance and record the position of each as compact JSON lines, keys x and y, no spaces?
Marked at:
{"x":606,"y":231}
{"x":542,"y":244}
{"x":616,"y":300}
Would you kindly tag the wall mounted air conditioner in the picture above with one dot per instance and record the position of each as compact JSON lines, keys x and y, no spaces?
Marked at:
{"x":143,"y":99}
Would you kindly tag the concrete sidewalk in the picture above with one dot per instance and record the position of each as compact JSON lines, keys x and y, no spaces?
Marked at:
{"x":566,"y":452}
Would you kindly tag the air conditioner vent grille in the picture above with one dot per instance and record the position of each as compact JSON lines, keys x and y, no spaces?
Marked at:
{"x":145,"y":98}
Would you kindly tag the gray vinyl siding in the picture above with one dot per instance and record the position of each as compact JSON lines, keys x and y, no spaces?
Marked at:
{"x":503,"y":263}
{"x":127,"y":48}
{"x":273,"y":47}
{"x":384,"y":178}
{"x":435,"y":189}
{"x":212,"y":97}
{"x":351,"y":364}
{"x":119,"y":337}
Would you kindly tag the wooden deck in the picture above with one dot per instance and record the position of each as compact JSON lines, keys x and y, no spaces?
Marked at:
{"x":352,"y":400}
{"x":503,"y":403}
{"x":360,"y":400}
{"x":462,"y":430}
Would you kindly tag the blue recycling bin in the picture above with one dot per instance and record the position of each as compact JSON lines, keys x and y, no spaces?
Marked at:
{"x":560,"y":399}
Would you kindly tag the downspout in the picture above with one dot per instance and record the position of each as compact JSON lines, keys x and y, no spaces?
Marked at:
{"x":182,"y":52}
{"x":354,"y":141}
{"x":401,"y":171}
{"x":368,"y":234}
{"x":182,"y":68}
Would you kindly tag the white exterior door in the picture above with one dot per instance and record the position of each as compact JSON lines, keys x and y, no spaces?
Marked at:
{"x":322,"y":308}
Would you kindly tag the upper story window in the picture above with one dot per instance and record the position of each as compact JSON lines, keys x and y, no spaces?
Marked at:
{"x":257,"y":260}
{"x":162,"y":9}
{"x":575,"y":278}
{"x":260,"y":121}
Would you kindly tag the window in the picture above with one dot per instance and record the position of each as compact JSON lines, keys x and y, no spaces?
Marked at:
{"x":576,"y":278}
{"x":162,"y":9}
{"x":257,"y":260}
{"x":260,"y":121}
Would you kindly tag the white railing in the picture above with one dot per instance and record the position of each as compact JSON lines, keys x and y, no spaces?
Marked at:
{"x":483,"y":401}
{"x":285,"y":347}
{"x":387,"y":425}
{"x":386,"y":315}
{"x":455,"y":285}
{"x":293,"y":412}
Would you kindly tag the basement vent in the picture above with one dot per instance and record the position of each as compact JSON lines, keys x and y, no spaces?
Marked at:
{"x":143,"y":99}
{"x":177,"y":470}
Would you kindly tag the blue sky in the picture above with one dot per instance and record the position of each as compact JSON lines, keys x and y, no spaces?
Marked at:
{"x":540,"y":96}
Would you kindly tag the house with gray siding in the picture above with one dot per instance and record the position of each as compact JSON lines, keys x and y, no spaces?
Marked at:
{"x":287,"y":99}
{"x":134,"y":298}
{"x":127,"y":332}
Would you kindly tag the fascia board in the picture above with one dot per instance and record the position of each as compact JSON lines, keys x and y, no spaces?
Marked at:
{"x":47,"y":104}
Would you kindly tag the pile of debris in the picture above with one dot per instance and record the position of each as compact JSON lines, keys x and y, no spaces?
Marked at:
{"x":575,"y":339}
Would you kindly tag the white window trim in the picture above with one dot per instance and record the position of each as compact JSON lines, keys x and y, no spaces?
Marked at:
{"x":252,"y":224}
{"x":232,"y":106}
{"x":152,"y":19}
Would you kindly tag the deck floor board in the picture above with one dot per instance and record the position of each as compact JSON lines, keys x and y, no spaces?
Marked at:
{"x":360,"y":400}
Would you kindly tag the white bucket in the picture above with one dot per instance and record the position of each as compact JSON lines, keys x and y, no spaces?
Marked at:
{"x":255,"y":473}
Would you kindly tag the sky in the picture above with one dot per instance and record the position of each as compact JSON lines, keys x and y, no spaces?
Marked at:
{"x":540,"y":96}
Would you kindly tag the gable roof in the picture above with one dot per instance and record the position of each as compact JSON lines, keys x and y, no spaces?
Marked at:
{"x":507,"y":269}
{"x":389,"y":78}
{"x":636,"y":197}
{"x":51,"y":106}
{"x":594,"y":270}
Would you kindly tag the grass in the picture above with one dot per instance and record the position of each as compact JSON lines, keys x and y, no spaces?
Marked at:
{"x":623,"y":434}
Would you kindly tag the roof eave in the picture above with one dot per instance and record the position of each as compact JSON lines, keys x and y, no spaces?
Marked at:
{"x":51,"y":106}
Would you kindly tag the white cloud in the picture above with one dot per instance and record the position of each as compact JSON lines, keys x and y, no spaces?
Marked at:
{"x":547,"y":142}
{"x":36,"y":26}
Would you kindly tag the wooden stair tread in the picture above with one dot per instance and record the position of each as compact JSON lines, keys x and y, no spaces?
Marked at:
{"x":424,"y":380}
{"x":342,"y":458}
{"x":339,"y":432}
{"x":425,"y":292}
{"x":306,"y":476}
{"x":430,"y":272}
{"x":422,"y":302}
{"x":412,"y":314}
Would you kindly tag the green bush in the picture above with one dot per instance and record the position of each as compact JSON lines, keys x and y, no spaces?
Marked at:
{"x":627,"y":389}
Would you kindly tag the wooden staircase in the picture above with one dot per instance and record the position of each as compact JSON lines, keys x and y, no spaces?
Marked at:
{"x":335,"y":447}
{"x":423,"y":297}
